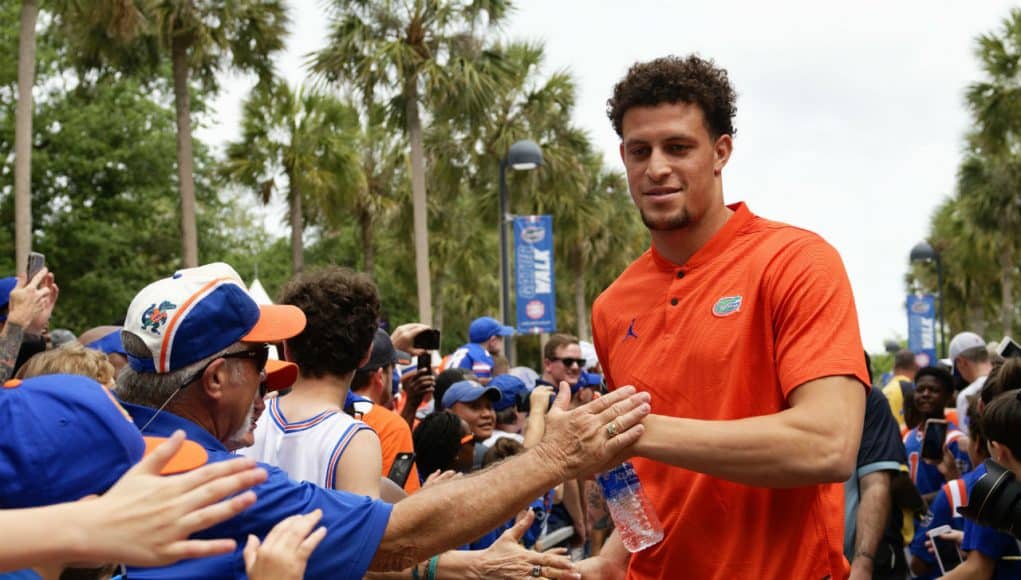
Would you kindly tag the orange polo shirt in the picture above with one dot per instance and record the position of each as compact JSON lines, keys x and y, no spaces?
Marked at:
{"x":394,"y":437}
{"x":759,"y":310}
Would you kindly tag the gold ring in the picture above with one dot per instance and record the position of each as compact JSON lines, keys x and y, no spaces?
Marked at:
{"x":611,"y":429}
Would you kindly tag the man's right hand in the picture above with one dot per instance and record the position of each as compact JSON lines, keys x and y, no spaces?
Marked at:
{"x":421,"y":384}
{"x":32,"y":301}
{"x":594,"y":436}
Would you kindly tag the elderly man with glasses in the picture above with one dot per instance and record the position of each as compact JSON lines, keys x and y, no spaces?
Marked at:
{"x":196,"y":346}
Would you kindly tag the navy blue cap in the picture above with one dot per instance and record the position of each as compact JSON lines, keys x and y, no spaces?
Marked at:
{"x":482,"y":329}
{"x":69,"y":438}
{"x":468,"y":392}
{"x":6,"y":285}
{"x":510,"y":387}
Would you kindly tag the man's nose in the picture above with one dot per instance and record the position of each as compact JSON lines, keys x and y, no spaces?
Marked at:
{"x":658,"y":168}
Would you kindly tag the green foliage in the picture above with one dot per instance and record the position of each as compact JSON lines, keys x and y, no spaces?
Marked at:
{"x":978,"y":230}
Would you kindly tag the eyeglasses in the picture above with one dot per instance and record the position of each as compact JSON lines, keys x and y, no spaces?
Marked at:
{"x":259,"y":355}
{"x":569,"y":362}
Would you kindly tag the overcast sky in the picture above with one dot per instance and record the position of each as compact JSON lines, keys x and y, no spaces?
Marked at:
{"x":850,"y":116}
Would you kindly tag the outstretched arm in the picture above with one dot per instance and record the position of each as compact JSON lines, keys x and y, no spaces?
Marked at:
{"x":815,"y":440}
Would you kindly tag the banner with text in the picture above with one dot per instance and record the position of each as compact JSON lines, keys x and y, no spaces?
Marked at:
{"x":922,"y":328}
{"x":533,"y":270}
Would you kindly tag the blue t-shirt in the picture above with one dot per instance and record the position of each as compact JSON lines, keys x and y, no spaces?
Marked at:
{"x":355,"y":524}
{"x":474,"y":358}
{"x":926,"y":476}
{"x":943,"y":511}
{"x":994,"y":545}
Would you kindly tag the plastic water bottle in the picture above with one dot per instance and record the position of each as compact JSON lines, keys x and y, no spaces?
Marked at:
{"x":632,"y":514}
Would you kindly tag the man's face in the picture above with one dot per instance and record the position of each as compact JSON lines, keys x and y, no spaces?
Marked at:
{"x":494,"y":345}
{"x":558,"y":370}
{"x":672,"y":164}
{"x":386,"y":394}
{"x":240,"y":402}
{"x":930,"y":396}
{"x":966,"y":369}
{"x":479,"y":415}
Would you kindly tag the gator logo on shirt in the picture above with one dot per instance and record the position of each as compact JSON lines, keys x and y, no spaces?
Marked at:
{"x":727,"y":305}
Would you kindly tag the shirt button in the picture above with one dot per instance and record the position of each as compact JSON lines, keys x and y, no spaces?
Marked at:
{"x":674,"y":301}
{"x":680,"y":273}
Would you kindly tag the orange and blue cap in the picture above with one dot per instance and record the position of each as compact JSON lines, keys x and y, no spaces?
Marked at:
{"x":67,"y":438}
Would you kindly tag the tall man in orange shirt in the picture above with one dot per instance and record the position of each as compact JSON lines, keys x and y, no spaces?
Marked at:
{"x":745,"y":333}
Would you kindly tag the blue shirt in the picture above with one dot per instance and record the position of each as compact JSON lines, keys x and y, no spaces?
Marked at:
{"x":354,"y":524}
{"x":926,"y":476}
{"x":475,"y":358}
{"x":994,"y":545}
{"x":942,"y":511}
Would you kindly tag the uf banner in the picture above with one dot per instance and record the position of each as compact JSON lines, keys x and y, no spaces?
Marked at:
{"x":922,"y":328}
{"x":533,"y":270}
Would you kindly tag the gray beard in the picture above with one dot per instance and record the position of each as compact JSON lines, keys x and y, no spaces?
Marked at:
{"x":235,"y":441}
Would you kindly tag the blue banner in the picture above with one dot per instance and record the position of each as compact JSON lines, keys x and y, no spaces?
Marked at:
{"x":533,"y":269}
{"x":922,"y":328}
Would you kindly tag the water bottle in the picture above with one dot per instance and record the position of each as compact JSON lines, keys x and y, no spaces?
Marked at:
{"x":632,"y":514}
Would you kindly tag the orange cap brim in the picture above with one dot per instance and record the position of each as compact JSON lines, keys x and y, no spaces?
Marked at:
{"x":188,"y":457}
{"x":280,"y":374}
{"x":276,"y":322}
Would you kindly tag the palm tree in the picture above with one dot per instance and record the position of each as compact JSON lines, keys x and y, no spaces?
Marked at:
{"x":990,"y":177}
{"x":306,"y":137}
{"x":200,"y":39}
{"x":23,"y":135}
{"x":413,"y":51}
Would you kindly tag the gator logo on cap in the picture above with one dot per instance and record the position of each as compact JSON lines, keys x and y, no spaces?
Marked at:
{"x":155,"y":317}
{"x":727,"y":305}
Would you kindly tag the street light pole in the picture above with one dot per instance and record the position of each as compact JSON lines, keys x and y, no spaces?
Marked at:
{"x":923,"y":252}
{"x":522,"y":156}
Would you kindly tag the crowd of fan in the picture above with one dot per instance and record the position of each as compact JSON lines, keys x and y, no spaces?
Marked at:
{"x":975,"y":394}
{"x":356,"y":443}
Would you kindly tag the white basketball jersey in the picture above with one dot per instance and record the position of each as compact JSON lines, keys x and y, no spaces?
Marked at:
{"x":307,"y":450}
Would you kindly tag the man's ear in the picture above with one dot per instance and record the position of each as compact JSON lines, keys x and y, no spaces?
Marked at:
{"x":214,"y":379}
{"x":722,"y":149}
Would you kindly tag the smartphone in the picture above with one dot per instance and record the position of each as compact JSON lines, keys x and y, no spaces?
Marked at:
{"x":401,"y":468}
{"x":948,"y":556}
{"x":36,"y":262}
{"x":933,"y":439}
{"x":1008,"y":348}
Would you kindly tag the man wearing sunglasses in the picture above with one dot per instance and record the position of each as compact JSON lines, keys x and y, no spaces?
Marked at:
{"x":193,"y":342}
{"x":562,"y":361}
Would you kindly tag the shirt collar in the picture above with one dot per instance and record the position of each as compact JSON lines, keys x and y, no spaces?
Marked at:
{"x":166,"y":423}
{"x":720,"y":241}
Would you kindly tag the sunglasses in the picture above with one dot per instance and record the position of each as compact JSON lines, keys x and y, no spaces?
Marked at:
{"x":259,"y":355}
{"x":469,"y":438}
{"x":569,"y":362}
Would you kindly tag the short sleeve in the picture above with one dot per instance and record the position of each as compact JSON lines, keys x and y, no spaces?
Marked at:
{"x":991,"y":543}
{"x":814,"y":318}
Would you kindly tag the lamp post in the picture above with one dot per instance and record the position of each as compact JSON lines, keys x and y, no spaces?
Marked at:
{"x":522,"y":156}
{"x":923,"y":252}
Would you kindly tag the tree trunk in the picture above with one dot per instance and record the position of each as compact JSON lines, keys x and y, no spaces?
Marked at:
{"x":297,"y":227}
{"x":185,"y":169}
{"x":1007,"y":289}
{"x":368,"y":249}
{"x":418,"y":203}
{"x":581,"y":306}
{"x":23,"y":136}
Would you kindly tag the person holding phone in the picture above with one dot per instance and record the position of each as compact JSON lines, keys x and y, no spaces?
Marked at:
{"x":25,"y":308}
{"x":936,"y":442}
{"x":992,"y":553}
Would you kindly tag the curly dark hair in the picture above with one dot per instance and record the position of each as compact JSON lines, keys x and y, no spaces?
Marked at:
{"x":437,"y":441}
{"x":942,"y":376}
{"x":672,"y":79}
{"x":342,"y":308}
